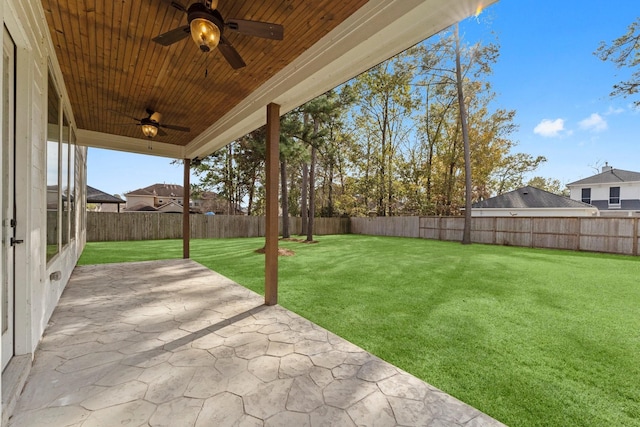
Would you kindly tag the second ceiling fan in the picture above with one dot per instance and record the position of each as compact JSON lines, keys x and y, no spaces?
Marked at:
{"x":206,"y":27}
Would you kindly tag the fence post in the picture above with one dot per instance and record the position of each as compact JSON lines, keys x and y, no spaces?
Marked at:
{"x":495,"y":230}
{"x":579,"y":234}
{"x":635,"y":236}
{"x":530,"y":232}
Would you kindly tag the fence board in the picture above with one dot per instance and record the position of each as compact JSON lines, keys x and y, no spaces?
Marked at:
{"x":599,"y":234}
{"x":111,"y":226}
{"x":399,"y":226}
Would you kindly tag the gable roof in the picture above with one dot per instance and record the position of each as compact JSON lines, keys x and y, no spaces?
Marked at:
{"x":160,"y":190}
{"x":96,"y":196}
{"x":529,"y":197}
{"x":610,"y":177}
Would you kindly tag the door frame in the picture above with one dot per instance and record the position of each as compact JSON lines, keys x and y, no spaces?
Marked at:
{"x":28,"y":131}
{"x":8,"y":209}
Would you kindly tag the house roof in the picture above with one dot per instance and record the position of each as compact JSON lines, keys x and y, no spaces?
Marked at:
{"x":141,"y":207}
{"x":113,"y":71}
{"x":96,"y":196}
{"x":159,"y":190}
{"x":529,"y":197}
{"x":610,"y":177}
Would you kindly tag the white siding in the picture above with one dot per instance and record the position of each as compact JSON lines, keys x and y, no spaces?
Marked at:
{"x":36,"y":294}
{"x":628,"y":191}
{"x":555,"y":212}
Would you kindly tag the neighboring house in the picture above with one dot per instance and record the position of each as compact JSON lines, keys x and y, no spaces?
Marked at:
{"x":155,"y":196}
{"x":532,"y":201}
{"x":210,"y":202}
{"x":615,"y":192}
{"x":102,"y":201}
{"x":169,"y":198}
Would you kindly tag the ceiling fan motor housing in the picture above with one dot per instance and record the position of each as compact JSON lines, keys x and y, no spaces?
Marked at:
{"x":198,"y":11}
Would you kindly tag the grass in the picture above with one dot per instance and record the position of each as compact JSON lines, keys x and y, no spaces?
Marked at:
{"x":531,"y":337}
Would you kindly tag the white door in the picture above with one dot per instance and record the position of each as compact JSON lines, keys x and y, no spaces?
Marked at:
{"x":7,"y":263}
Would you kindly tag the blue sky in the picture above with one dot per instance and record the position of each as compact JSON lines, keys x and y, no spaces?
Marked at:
{"x":546,"y":72}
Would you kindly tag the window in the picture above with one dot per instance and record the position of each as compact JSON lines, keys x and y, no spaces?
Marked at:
{"x":586,"y":195}
{"x":73,"y":172}
{"x":53,"y":156}
{"x":64,"y":178}
{"x":614,"y":195}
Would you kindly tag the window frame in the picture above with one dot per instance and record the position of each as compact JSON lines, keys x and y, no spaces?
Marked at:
{"x":614,"y":200}
{"x":588,"y":198}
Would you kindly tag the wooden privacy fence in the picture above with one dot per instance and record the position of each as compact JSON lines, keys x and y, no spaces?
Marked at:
{"x":595,"y":234}
{"x":106,"y":226}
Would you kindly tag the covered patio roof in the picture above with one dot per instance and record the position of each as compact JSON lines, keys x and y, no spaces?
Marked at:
{"x":112,"y":69}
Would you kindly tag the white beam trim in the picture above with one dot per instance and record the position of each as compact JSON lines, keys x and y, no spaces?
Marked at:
{"x":379,"y":30}
{"x":107,"y":141}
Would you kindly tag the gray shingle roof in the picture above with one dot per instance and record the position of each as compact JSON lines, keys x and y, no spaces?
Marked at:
{"x":610,"y":177}
{"x":529,"y":197}
{"x":162,"y":190}
{"x":96,"y":196}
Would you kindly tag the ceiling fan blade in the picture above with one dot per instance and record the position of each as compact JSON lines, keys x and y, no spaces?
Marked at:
{"x":175,"y":35}
{"x":266,"y":30}
{"x":174,"y":127}
{"x":161,"y":132}
{"x":230,"y":54}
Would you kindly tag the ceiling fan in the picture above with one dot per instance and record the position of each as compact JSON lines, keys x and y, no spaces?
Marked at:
{"x":207,"y":26}
{"x":151,"y":125}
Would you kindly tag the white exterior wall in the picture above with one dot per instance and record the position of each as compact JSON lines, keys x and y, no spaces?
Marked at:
{"x":628,"y":191}
{"x":556,"y":212}
{"x":36,"y":294}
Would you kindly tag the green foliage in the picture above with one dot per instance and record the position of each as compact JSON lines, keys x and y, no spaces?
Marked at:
{"x":531,"y":337}
{"x":624,"y":52}
{"x":510,"y":170}
{"x":549,"y":184}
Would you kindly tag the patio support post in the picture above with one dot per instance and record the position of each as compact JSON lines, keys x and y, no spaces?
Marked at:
{"x":186,"y":229}
{"x":271,"y":229}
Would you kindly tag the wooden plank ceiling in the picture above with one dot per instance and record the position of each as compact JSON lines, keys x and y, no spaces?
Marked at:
{"x":112,"y":69}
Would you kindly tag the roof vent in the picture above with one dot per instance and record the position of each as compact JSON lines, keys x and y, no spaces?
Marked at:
{"x":606,"y":167}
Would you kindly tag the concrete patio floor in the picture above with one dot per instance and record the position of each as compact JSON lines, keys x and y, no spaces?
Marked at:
{"x":172,"y":343}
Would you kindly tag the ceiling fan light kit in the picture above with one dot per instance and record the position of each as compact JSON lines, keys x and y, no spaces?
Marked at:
{"x":205,"y":26}
{"x":149,"y":129}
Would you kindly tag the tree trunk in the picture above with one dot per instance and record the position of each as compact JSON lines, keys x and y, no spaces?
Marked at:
{"x":312,"y":188}
{"x":252,"y":190}
{"x":285,"y":200}
{"x":304,"y":210}
{"x":466,"y":235}
{"x":330,"y":197}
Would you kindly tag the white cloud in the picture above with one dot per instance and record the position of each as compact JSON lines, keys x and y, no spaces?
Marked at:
{"x":549,"y":128}
{"x":613,"y":110}
{"x":594,"y":123}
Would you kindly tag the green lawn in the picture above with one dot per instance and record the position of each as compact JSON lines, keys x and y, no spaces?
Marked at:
{"x":531,"y":337}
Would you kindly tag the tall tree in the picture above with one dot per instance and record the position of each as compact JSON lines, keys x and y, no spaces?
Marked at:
{"x":466,"y":235}
{"x":624,"y":52}
{"x":291,"y":150}
{"x":385,"y":103}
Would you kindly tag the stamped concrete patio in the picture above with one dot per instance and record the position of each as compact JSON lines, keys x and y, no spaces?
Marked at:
{"x":172,"y":343}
